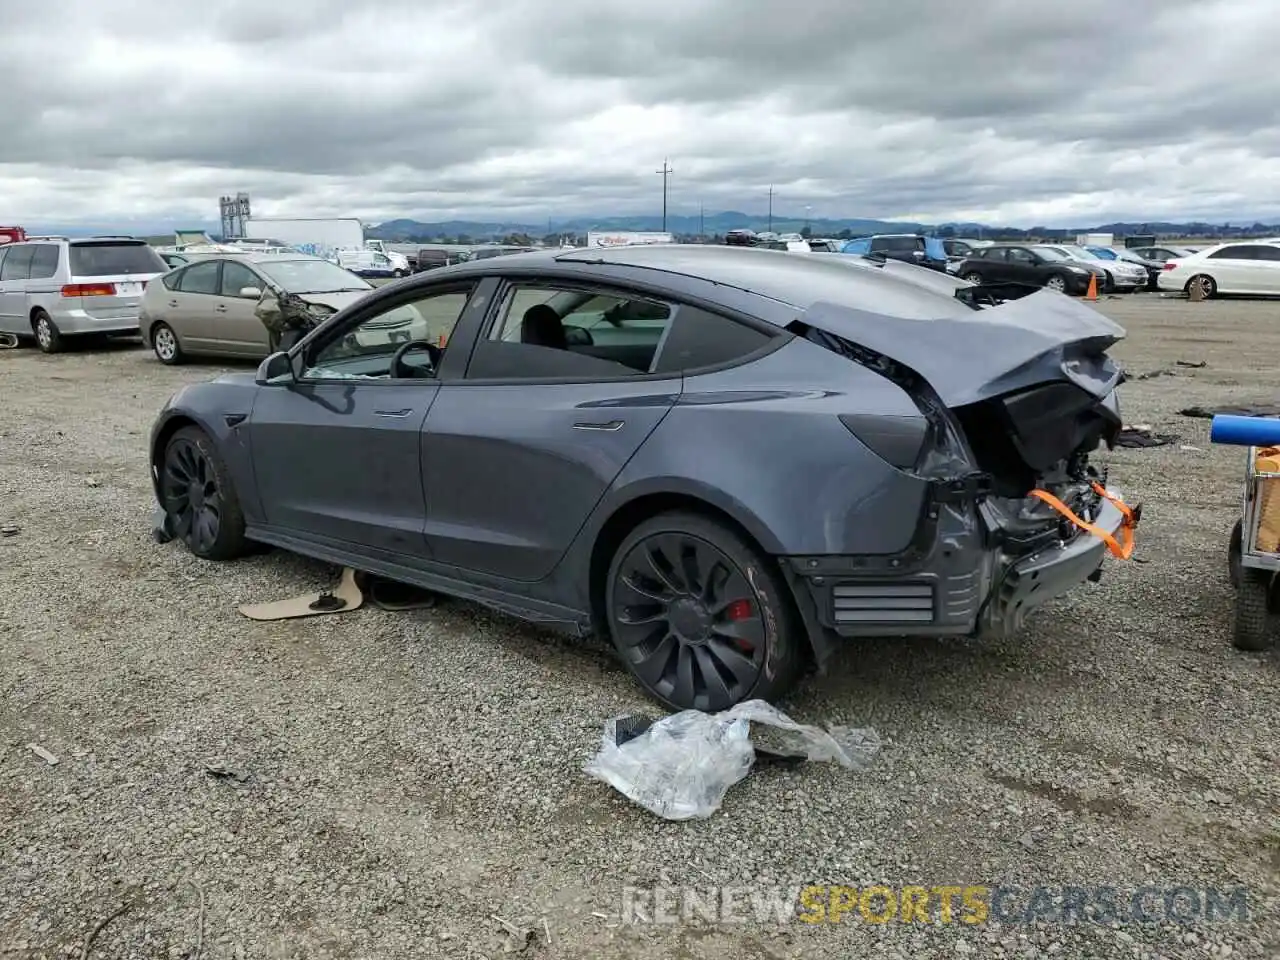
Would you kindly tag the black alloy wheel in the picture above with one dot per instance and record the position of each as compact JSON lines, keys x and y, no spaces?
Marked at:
{"x":203,"y":510}
{"x":698,"y":617}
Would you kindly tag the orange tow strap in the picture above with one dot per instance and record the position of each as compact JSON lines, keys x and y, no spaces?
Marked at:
{"x":1122,"y":547}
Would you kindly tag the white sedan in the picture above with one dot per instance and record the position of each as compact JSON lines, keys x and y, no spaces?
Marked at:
{"x":1251,"y":268}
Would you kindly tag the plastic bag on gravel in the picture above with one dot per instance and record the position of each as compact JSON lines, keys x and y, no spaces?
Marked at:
{"x":682,"y":766}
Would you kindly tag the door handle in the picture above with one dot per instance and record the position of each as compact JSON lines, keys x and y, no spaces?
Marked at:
{"x":393,"y":413}
{"x":220,"y":308}
{"x":173,"y":303}
{"x":611,"y":426}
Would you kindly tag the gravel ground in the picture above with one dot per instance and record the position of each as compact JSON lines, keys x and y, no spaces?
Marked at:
{"x":400,"y":779}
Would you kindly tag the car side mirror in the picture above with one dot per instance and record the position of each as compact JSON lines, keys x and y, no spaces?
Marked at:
{"x":251,"y":293}
{"x":276,"y":366}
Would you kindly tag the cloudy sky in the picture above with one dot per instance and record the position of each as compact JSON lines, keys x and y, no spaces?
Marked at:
{"x":1002,"y":111}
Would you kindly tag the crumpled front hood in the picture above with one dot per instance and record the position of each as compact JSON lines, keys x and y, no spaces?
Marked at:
{"x":335,"y":301}
{"x":970,"y":357}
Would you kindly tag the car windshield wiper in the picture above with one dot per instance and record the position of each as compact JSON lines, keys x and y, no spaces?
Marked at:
{"x":339,"y":290}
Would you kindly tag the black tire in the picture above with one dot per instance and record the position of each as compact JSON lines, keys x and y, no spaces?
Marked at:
{"x":166,"y":346}
{"x":1058,"y":281}
{"x":1235,"y":549}
{"x":209,"y":519}
{"x":1253,"y":620}
{"x":973,"y":277}
{"x":712,"y":620}
{"x":48,"y":337}
{"x":1207,"y":284}
{"x":1108,"y":282}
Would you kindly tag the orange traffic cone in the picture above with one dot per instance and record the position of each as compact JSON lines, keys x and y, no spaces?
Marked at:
{"x":1092,"y":292}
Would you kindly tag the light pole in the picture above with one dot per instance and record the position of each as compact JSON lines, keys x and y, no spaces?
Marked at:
{"x":666,"y":171}
{"x":771,"y":208}
{"x":702,"y":222}
{"x":807,"y":210}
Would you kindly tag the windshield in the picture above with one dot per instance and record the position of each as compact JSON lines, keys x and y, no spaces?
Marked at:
{"x":114,"y":259}
{"x":1080,"y":253}
{"x":1051,"y":253}
{"x":311,"y":276}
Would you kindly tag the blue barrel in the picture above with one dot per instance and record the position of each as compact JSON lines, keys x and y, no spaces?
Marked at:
{"x":1245,"y":431}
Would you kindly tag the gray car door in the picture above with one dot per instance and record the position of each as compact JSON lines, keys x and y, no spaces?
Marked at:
{"x":518,"y":453}
{"x":337,"y":453}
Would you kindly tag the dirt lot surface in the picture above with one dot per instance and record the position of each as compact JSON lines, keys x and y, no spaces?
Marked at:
{"x":391,"y":782}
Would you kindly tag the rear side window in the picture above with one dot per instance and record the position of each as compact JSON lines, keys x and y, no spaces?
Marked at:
{"x":111,"y":259}
{"x":44,"y":263}
{"x":17,"y":265}
{"x":200,"y":278}
{"x":1234,"y":253}
{"x":701,"y":339}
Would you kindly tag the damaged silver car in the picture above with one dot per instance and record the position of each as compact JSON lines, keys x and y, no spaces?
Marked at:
{"x":726,"y":460}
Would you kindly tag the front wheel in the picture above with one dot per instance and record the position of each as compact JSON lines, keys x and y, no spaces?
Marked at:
{"x":700,"y":617}
{"x":1208,"y":286}
{"x":199,"y":498}
{"x":164,"y":342}
{"x":1253,"y":620}
{"x":973,"y":277}
{"x":1057,"y":282}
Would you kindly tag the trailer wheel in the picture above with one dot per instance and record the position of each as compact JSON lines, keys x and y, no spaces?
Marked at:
{"x":1253,"y":619}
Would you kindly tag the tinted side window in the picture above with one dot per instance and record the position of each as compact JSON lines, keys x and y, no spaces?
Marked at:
{"x":236,"y":276}
{"x":994,"y":253}
{"x":701,"y":339}
{"x":1268,"y":253}
{"x":44,"y":262}
{"x":544,"y":331}
{"x":17,"y":265}
{"x":366,"y":351}
{"x":1018,"y":255}
{"x":200,"y":278}
{"x":1233,"y":253}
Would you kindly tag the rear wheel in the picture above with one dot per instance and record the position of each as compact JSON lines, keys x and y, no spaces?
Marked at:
{"x":1208,"y":286}
{"x":199,"y":498}
{"x":700,"y":617}
{"x":1057,"y":282}
{"x":48,"y":338}
{"x":165,"y":344}
{"x":1253,"y":620}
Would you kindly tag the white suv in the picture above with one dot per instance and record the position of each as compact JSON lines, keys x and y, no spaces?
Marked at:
{"x":54,"y":288}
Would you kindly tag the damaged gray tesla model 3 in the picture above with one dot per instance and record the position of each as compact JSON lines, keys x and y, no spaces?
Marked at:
{"x":726,"y":460}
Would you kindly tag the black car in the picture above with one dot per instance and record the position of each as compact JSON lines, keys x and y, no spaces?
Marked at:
{"x":740,"y":238}
{"x":1008,"y":263}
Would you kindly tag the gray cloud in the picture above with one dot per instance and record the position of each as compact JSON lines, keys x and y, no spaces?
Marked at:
{"x":1000,"y":110}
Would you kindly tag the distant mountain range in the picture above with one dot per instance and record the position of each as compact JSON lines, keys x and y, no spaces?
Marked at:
{"x":405,"y":230}
{"x":712,"y":224}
